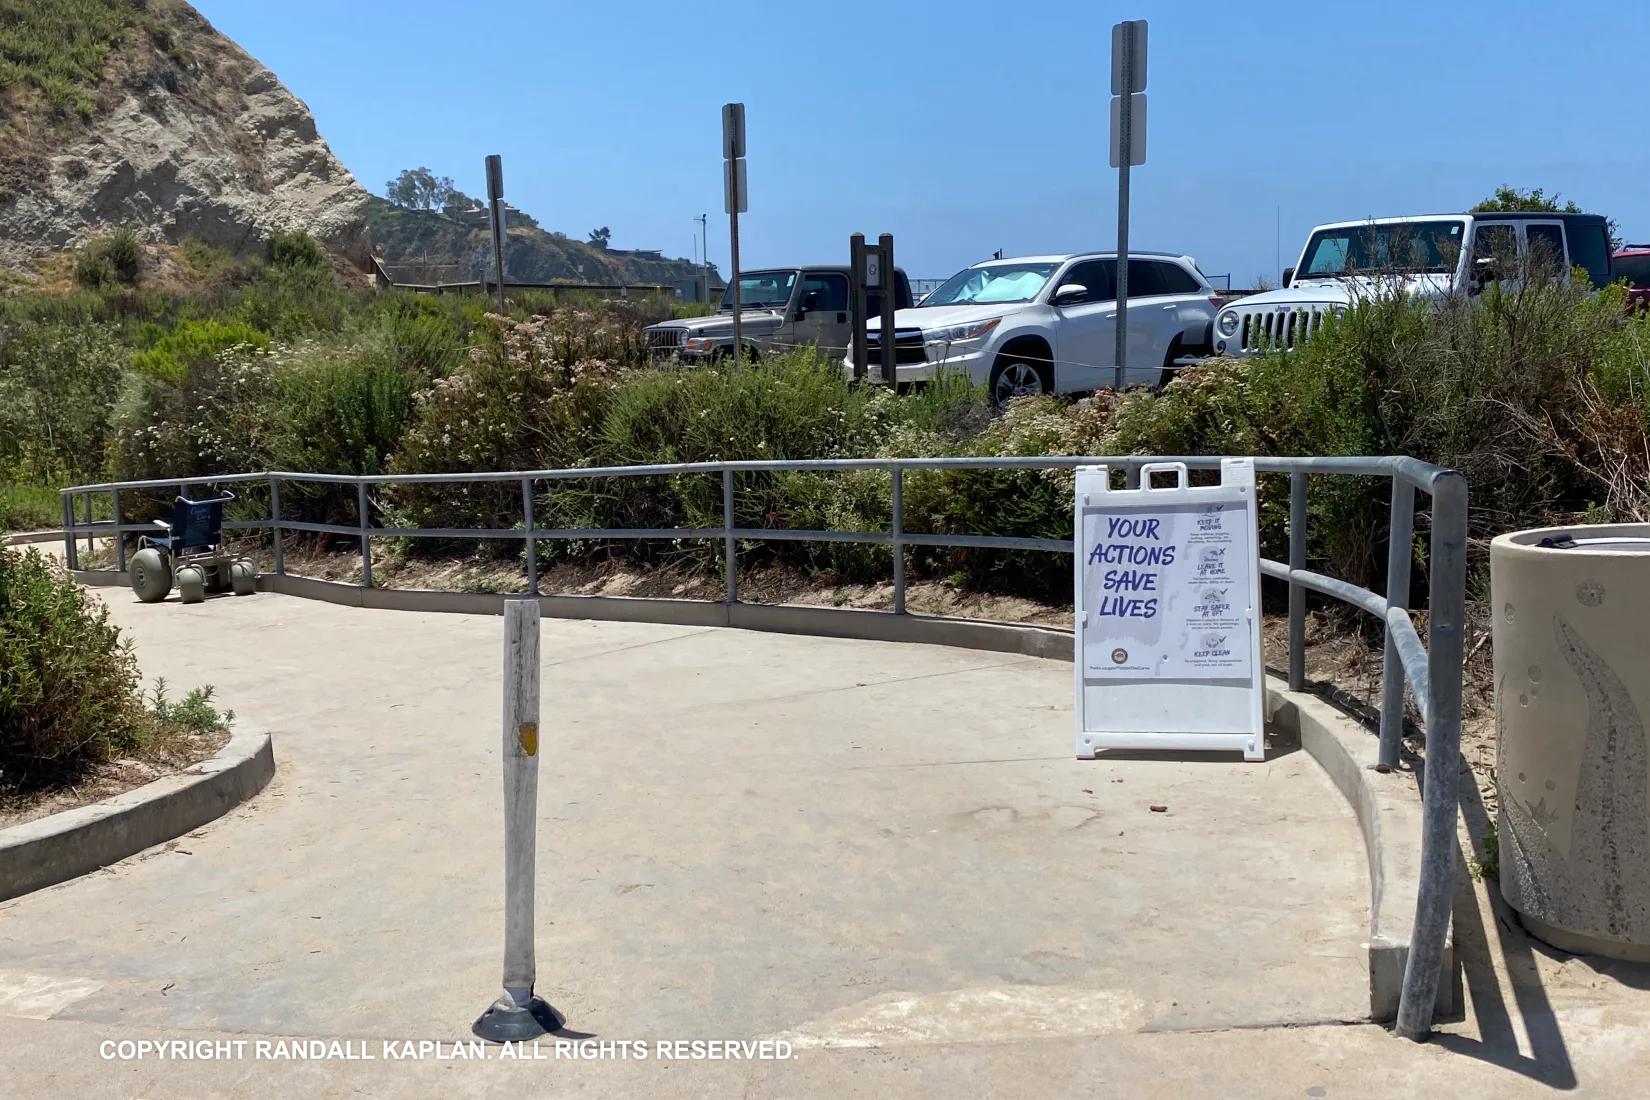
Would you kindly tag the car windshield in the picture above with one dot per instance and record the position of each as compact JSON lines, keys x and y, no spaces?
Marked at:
{"x":761,"y":290}
{"x":991,"y":284}
{"x":1410,"y":247}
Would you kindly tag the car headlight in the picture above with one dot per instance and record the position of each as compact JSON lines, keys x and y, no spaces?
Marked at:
{"x":957,"y":334}
{"x":1228,"y":323}
{"x":698,"y":343}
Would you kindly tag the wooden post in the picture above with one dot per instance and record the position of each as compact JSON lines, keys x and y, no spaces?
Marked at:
{"x":519,"y":1015}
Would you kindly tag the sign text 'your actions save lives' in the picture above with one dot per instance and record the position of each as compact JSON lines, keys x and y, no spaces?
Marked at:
{"x":1167,"y":593}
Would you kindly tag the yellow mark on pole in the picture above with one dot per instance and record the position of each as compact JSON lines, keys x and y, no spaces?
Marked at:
{"x":527,"y":736}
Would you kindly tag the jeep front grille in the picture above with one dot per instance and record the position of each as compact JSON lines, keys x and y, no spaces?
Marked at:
{"x":664,"y":339}
{"x":1279,"y":330}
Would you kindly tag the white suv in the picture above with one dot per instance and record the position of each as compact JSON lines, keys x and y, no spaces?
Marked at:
{"x":1048,"y":324}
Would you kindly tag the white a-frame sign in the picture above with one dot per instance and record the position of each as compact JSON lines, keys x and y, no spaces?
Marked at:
{"x":1168,"y":613}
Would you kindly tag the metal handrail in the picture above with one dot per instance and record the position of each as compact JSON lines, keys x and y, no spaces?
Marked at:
{"x":1432,"y":670}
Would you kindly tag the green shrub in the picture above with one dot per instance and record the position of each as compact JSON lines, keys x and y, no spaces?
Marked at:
{"x":295,"y":301}
{"x":28,"y":507}
{"x":70,"y":694}
{"x":212,"y":420}
{"x":57,"y":382}
{"x":337,"y":409}
{"x":522,"y":400}
{"x":194,"y":344}
{"x":68,"y":682}
{"x":295,"y":249}
{"x":115,"y":258}
{"x":92,"y":267}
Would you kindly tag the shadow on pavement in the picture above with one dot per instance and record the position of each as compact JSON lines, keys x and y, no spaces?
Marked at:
{"x":1498,"y":1042}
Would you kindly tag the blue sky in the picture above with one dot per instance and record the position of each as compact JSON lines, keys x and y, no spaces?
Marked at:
{"x":966,"y":126}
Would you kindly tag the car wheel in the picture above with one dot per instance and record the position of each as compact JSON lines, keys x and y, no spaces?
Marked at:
{"x":1169,"y":369}
{"x":1013,"y":377}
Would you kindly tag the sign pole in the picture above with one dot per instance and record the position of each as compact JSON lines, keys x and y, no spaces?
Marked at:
{"x":1128,"y":79}
{"x":495,"y":202}
{"x":518,"y":1015}
{"x":885,"y":246}
{"x":733,"y":156}
{"x":856,"y":264}
{"x":733,"y":247}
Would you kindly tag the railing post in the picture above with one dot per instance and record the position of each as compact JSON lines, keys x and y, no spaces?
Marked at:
{"x":518,"y":1015}
{"x":897,"y":535}
{"x":532,"y":549}
{"x":730,"y":548}
{"x":89,"y":522}
{"x":70,"y":553}
{"x":275,"y":524}
{"x":120,"y":537}
{"x":1401,"y":530}
{"x":366,"y":539}
{"x":1441,"y":777}
{"x":1297,"y":594}
{"x":1131,"y":476}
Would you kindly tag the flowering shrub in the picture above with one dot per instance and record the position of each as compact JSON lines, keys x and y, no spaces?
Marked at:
{"x":211,"y":420}
{"x":526,"y":398}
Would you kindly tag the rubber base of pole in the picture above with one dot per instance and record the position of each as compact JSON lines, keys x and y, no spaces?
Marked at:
{"x":507,"y":1022}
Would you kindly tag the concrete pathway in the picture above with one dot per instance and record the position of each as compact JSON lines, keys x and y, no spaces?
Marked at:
{"x":880,"y":853}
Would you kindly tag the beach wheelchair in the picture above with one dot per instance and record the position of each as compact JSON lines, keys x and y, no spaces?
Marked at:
{"x":190,"y":555}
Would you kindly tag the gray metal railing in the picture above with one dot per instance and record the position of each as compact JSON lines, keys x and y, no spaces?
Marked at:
{"x":1431,"y":671}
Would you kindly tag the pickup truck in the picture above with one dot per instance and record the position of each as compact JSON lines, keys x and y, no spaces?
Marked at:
{"x":780,"y":309}
{"x":1433,"y":256}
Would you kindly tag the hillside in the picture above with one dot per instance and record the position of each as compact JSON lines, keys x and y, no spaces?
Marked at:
{"x":429,"y":247}
{"x":138,"y":113}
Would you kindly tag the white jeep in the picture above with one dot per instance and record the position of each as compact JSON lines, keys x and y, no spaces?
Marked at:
{"x":1433,"y":256}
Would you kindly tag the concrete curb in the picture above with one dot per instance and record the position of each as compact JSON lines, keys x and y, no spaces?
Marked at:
{"x":21,"y":538}
{"x":1387,"y":807}
{"x":65,"y":845}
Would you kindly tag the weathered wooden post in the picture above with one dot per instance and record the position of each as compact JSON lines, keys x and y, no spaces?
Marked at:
{"x":518,"y":1015}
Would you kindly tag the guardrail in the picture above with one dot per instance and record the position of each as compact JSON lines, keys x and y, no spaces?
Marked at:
{"x":1431,"y":670}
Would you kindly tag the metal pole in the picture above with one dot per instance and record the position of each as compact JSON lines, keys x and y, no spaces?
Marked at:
{"x":89,"y":522}
{"x":531,"y":547}
{"x":495,"y":202}
{"x":885,"y":260}
{"x":366,"y":540}
{"x":120,"y":538}
{"x":1297,"y":592}
{"x":1125,"y":144}
{"x":275,"y":525}
{"x":1448,"y":562}
{"x":897,"y":534}
{"x":518,"y":1014}
{"x":704,"y":254}
{"x":730,"y":548}
{"x":733,"y":243}
{"x":1398,"y":559}
{"x":856,"y":264}
{"x":70,"y":553}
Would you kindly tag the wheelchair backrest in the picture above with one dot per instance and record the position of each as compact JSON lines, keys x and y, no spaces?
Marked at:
{"x":196,"y":523}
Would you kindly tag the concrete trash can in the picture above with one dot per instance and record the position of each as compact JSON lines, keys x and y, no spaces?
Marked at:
{"x":1572,"y":692}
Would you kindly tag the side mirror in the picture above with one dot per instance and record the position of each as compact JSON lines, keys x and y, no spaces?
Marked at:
{"x":809,"y":304}
{"x":1288,"y":274}
{"x":1071,"y":292}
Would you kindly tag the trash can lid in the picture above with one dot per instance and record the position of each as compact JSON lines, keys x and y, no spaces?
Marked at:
{"x":1630,"y":543}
